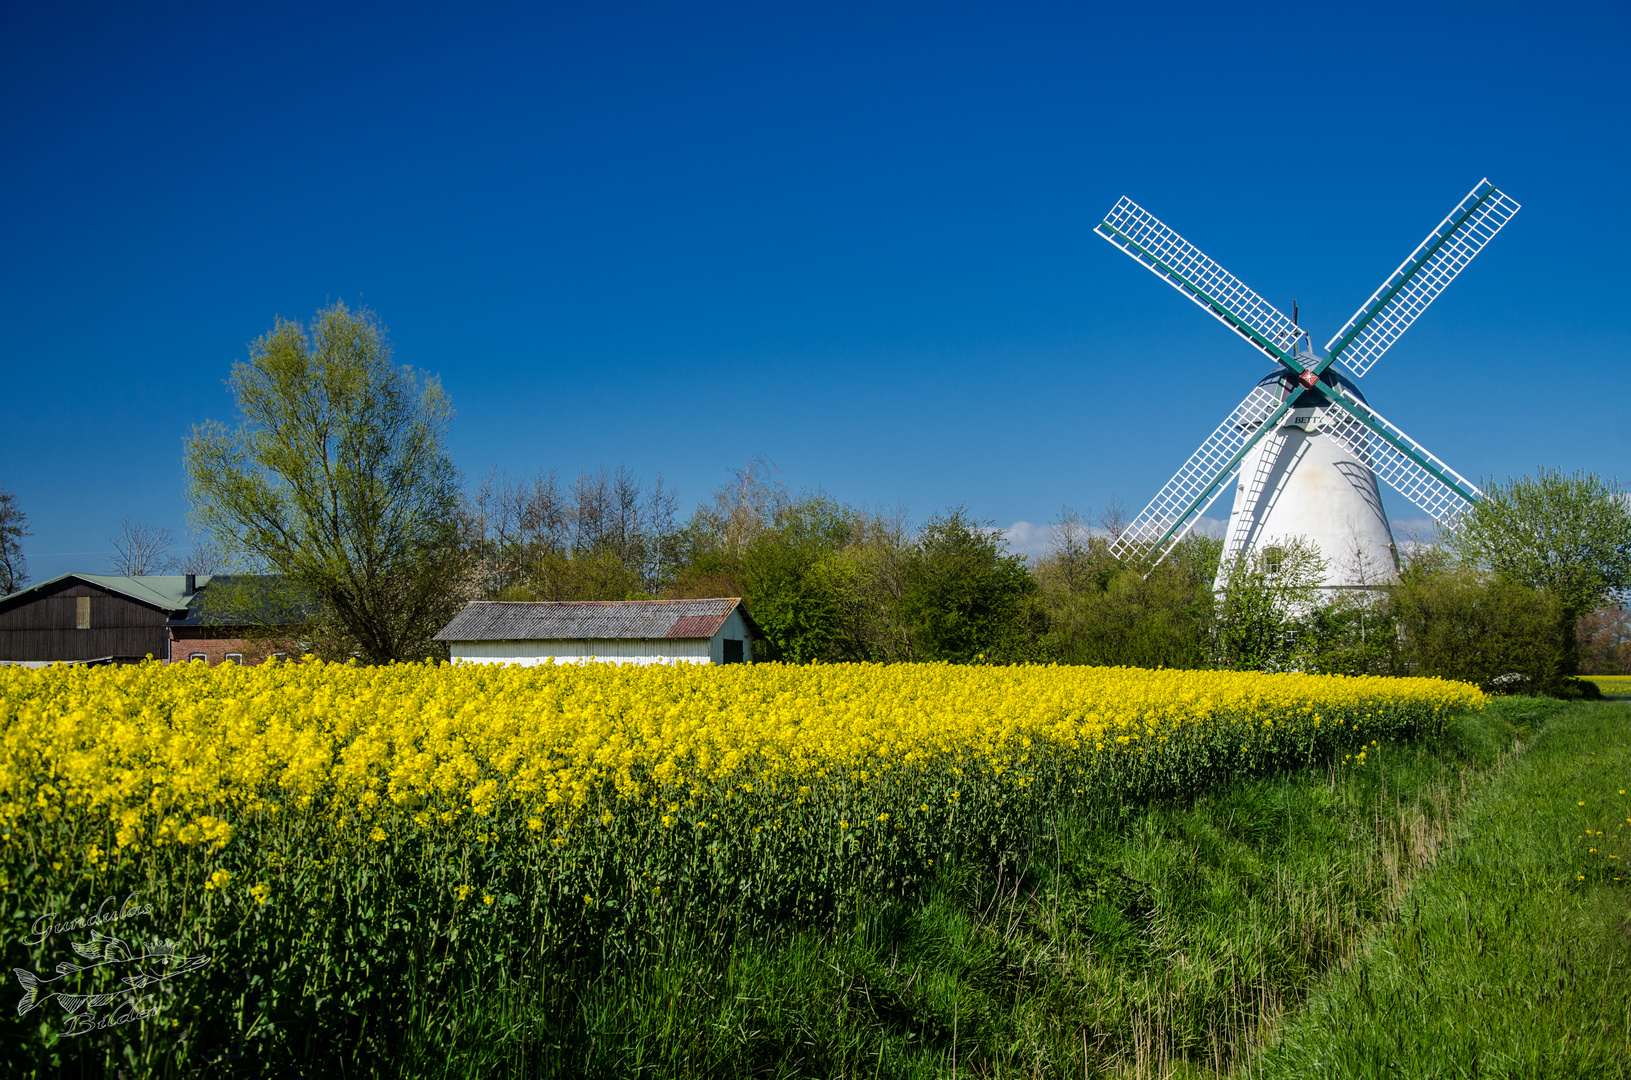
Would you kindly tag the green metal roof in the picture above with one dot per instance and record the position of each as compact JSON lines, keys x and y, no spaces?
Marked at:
{"x":160,"y":590}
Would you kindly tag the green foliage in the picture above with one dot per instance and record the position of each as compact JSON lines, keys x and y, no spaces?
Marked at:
{"x":832,"y":583}
{"x":1460,"y":623}
{"x":337,"y":478}
{"x":1101,"y":611}
{"x":964,"y":597}
{"x":1265,"y":597}
{"x":1353,"y":633}
{"x":1567,"y":535}
{"x":790,"y":585}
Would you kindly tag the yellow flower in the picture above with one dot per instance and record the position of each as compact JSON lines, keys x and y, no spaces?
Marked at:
{"x":260,"y":892}
{"x":218,"y":880}
{"x":487,"y":898}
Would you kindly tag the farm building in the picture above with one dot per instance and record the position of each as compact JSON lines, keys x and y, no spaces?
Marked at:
{"x":110,"y":618}
{"x":237,"y":620}
{"x":616,"y":631}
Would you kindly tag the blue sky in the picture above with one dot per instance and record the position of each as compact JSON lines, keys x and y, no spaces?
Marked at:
{"x":856,"y":239}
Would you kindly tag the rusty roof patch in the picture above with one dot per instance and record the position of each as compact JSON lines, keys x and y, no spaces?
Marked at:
{"x":695,"y":626}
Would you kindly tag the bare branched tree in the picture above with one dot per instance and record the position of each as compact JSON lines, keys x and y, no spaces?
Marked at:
{"x":1068,"y":549}
{"x":13,"y":527}
{"x":141,"y":549}
{"x":203,"y":558}
{"x":749,"y":503}
{"x":1115,"y":519}
{"x":606,"y":534}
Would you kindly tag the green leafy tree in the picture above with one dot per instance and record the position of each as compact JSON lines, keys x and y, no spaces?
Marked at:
{"x":1266,"y":595}
{"x":13,"y":527}
{"x":336,"y":476}
{"x":1566,"y":534}
{"x":966,"y":596}
{"x":1458,"y":622}
{"x":1101,"y":610}
{"x":793,"y":597}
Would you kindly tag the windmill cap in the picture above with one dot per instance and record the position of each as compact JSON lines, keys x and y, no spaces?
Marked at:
{"x":1282,"y":382}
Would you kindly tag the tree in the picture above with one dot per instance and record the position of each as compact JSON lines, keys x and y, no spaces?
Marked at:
{"x":337,"y":477}
{"x":607,"y":537}
{"x":1605,"y":641}
{"x":1101,"y":610}
{"x":966,"y":596}
{"x":1266,"y":595}
{"x":794,"y":598}
{"x":1569,"y":535}
{"x":141,"y":549}
{"x":13,"y":527}
{"x":1462,"y":623}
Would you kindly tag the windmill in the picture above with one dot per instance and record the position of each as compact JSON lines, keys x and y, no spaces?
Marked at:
{"x":1305,"y":444}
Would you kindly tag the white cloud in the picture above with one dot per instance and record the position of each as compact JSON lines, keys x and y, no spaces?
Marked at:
{"x":1026,"y":538}
{"x":1031,"y":539}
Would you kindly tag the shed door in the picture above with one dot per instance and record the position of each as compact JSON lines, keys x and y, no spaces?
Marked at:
{"x":733,"y":650}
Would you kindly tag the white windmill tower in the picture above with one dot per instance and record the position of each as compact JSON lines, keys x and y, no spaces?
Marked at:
{"x":1305,"y":444}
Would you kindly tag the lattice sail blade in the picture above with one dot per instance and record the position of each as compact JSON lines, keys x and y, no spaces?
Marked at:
{"x":1419,"y":279}
{"x":1172,"y":513}
{"x":1404,"y":463}
{"x":1186,"y":268}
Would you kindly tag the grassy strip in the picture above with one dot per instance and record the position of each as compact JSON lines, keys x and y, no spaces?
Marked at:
{"x":1150,"y":941}
{"x":1513,"y":957}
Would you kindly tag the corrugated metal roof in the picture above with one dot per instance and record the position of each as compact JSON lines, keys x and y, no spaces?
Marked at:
{"x":569,"y":620}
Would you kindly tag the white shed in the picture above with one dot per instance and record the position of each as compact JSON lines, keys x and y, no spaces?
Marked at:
{"x":611,"y":631}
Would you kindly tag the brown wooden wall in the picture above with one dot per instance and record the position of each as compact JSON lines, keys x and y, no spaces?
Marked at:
{"x":41,"y":625}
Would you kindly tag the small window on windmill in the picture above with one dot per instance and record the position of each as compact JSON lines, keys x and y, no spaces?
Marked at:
{"x":82,"y":613}
{"x":1273,"y":557}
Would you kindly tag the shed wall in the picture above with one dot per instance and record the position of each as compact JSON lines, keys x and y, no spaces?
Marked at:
{"x":733,"y":627}
{"x":606,"y":650}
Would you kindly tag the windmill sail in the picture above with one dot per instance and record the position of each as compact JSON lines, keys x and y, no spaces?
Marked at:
{"x":1419,"y":279}
{"x":1186,"y":268}
{"x":1173,"y":512}
{"x":1398,"y":459}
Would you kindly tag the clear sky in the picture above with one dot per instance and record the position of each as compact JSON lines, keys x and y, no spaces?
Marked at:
{"x":856,"y":238}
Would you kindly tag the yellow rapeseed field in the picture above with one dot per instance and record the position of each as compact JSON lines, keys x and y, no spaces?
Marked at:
{"x":140,"y":757}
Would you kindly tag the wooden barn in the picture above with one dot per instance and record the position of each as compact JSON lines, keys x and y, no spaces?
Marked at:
{"x":109,"y":618}
{"x":82,"y":617}
{"x":614,"y":632}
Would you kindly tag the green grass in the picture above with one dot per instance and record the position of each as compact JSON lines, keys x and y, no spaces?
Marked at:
{"x":1153,"y":941}
{"x":1513,"y":957}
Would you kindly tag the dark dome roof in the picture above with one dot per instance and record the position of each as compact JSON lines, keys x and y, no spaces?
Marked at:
{"x":1282,"y":382}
